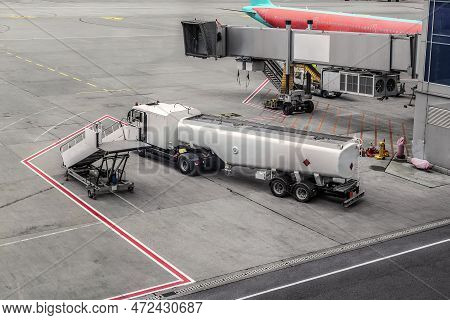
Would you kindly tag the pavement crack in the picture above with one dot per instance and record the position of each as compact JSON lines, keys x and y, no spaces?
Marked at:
{"x":26,"y":197}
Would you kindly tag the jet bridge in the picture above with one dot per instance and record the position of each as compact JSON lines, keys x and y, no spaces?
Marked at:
{"x":377,"y":55}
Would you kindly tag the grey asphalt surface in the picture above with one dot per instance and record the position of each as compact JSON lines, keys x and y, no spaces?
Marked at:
{"x":64,"y":63}
{"x":421,"y":274}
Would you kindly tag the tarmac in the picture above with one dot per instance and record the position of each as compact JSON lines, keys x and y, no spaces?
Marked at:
{"x":65,"y":64}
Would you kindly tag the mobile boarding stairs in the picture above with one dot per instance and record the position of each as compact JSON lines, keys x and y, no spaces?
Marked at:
{"x":97,"y":157}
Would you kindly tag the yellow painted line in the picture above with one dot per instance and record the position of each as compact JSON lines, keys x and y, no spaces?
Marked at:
{"x":76,"y":79}
{"x":113,"y":18}
{"x":27,"y":60}
{"x":63,"y":74}
{"x":13,"y":16}
{"x":19,"y":57}
{"x":51,"y":69}
{"x":39,"y":65}
{"x":90,"y":84}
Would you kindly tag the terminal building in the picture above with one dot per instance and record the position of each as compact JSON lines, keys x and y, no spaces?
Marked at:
{"x":431,"y":137}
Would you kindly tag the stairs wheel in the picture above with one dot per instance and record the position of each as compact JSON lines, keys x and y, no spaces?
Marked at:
{"x":91,"y":194}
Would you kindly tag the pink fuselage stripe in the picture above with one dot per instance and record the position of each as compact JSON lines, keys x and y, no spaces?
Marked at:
{"x":330,"y":21}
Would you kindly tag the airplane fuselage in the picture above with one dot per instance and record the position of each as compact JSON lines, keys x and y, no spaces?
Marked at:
{"x":333,"y":21}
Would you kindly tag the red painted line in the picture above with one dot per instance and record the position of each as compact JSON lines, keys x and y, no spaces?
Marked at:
{"x":278,"y":114}
{"x":144,"y":292}
{"x":333,"y":131}
{"x":319,"y":128}
{"x":265,"y":95}
{"x":362,"y":125}
{"x":306,"y":127}
{"x":53,"y":145}
{"x":254,"y":93}
{"x":376,"y":130}
{"x":183,"y":279}
{"x":295,"y":123}
{"x":406,"y":138}
{"x":390,"y":138}
{"x":349,"y":125}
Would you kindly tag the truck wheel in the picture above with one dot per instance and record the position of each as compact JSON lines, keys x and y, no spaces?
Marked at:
{"x":303,"y":192}
{"x":187,"y":165}
{"x":325,"y":94}
{"x":337,"y":94}
{"x":288,"y":109}
{"x":279,"y":187}
{"x":217,"y":164}
{"x":309,"y":106}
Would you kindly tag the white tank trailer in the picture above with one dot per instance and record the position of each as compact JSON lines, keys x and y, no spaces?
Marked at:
{"x":295,"y":162}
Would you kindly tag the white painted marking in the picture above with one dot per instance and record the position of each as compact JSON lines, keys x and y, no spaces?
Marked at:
{"x":50,"y":234}
{"x":159,"y":260}
{"x":345,"y":269}
{"x":46,"y":131}
{"x":13,"y":123}
{"x":131,"y":204}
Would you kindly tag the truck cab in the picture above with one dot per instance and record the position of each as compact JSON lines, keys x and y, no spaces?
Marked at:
{"x":158,"y":125}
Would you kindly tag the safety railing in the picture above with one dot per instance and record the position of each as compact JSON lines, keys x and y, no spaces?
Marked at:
{"x":116,"y":126}
{"x":72,"y":142}
{"x":76,"y":139}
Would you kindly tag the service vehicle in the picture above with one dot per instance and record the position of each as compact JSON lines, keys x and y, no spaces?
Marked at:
{"x":295,"y":162}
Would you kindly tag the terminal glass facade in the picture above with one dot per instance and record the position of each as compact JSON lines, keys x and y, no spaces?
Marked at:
{"x":437,"y":63}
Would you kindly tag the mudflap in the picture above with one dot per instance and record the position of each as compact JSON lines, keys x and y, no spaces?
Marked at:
{"x":354,"y":197}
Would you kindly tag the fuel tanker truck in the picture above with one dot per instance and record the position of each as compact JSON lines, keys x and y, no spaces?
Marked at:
{"x":294,"y":162}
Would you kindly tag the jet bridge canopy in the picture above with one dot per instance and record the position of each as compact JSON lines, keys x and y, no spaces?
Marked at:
{"x":375,"y":52}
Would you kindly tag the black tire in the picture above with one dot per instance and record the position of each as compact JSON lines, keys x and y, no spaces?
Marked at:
{"x":288,"y":109}
{"x":325,"y":94}
{"x":279,"y":187}
{"x":217,"y":164}
{"x":303,"y":192}
{"x":187,"y":166}
{"x":91,"y":194}
{"x":309,"y":106}
{"x":142,"y":153}
{"x":337,"y":94}
{"x":131,"y":189}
